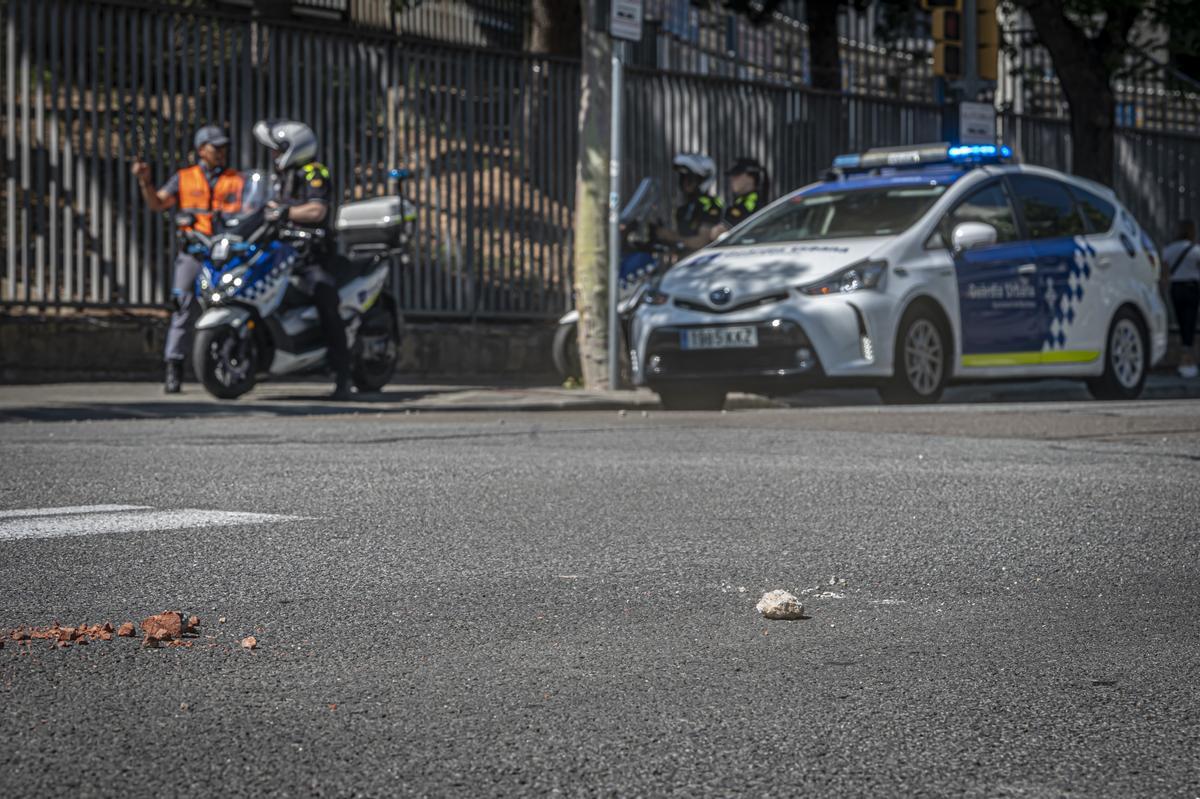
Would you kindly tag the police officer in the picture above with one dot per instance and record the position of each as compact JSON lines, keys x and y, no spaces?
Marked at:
{"x":748,"y":187}
{"x":301,"y":197}
{"x":207,"y":187}
{"x":700,"y":211}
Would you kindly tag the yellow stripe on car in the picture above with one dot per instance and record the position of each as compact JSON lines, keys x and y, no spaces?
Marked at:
{"x":1030,"y":358}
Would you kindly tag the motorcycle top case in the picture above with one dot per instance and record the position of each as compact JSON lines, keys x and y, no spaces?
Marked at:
{"x":377,"y":222}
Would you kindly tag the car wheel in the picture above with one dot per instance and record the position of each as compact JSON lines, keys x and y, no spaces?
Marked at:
{"x":922,"y":362}
{"x":691,"y":399}
{"x":1126,"y":360}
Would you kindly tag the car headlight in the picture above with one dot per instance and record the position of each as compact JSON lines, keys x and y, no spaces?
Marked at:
{"x":862,"y":275}
{"x":655,"y":297}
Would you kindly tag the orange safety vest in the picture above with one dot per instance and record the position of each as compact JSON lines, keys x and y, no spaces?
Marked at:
{"x":196,"y":197}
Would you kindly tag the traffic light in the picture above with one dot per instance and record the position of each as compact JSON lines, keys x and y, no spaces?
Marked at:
{"x":947,"y":38}
{"x":987,"y":38}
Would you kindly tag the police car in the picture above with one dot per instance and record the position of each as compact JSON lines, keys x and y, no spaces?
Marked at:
{"x":907,"y":269}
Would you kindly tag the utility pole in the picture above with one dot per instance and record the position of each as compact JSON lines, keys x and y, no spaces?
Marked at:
{"x":625,"y":23}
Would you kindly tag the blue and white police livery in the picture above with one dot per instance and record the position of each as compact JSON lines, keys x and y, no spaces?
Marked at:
{"x":906,"y":269}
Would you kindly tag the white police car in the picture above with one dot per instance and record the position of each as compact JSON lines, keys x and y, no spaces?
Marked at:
{"x":905,"y":269}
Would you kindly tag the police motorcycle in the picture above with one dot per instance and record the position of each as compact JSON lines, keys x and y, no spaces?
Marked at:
{"x":257,"y":323}
{"x":639,"y":266}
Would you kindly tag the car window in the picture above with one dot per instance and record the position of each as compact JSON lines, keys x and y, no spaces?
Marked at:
{"x":1048,"y":207}
{"x":1097,"y":211}
{"x":989,"y":205}
{"x":838,"y":214}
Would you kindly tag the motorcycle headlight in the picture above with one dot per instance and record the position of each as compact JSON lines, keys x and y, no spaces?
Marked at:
{"x":862,"y":275}
{"x":232,"y":280}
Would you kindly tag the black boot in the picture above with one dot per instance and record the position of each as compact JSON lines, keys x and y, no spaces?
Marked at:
{"x":344,"y":389}
{"x":174,"y":377}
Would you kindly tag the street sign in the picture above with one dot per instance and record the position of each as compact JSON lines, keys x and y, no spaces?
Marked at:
{"x":976,"y":123}
{"x":626,"y":20}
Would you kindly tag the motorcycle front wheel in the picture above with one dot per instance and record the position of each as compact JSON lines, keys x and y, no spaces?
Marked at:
{"x":566,"y":352}
{"x":225,"y":362}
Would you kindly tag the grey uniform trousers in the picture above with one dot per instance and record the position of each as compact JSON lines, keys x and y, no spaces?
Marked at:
{"x":187,"y":310}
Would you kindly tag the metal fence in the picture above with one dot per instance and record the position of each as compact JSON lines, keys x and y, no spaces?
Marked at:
{"x":90,"y":86}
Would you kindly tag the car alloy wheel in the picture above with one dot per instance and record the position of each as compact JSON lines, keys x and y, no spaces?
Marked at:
{"x":1125,"y":353}
{"x":923,"y":354}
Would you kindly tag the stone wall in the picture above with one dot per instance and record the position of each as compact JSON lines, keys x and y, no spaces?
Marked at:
{"x":114,"y":347}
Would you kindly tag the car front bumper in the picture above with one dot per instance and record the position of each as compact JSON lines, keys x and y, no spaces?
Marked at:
{"x":801,"y":341}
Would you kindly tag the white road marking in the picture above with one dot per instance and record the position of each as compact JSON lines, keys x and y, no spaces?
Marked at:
{"x":11,"y":514}
{"x":142,"y":520}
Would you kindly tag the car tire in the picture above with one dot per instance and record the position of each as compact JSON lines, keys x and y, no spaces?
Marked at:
{"x":691,"y":399}
{"x":1126,"y":359}
{"x":922,"y":361}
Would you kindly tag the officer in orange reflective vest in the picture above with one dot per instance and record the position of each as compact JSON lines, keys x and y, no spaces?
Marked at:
{"x":203,"y":189}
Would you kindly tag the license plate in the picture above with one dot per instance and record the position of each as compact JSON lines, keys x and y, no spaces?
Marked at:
{"x":719,"y":338}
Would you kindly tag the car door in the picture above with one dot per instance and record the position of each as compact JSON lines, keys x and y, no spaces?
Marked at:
{"x":1065,"y":266}
{"x":998,"y":303}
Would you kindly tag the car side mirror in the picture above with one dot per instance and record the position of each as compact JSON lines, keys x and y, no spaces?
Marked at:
{"x":970,"y":235}
{"x":185,"y":219}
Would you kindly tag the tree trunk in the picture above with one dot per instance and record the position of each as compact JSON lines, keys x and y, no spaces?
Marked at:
{"x":1085,"y":68}
{"x":555,"y":27}
{"x":824,"y":59}
{"x":591,"y":196}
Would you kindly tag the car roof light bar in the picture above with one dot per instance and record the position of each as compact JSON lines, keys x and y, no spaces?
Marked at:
{"x":922,"y":155}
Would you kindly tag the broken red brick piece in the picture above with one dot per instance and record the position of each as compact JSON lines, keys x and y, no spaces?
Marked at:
{"x":150,"y":642}
{"x":82,"y":640}
{"x":65,"y":633}
{"x":249,"y":642}
{"x":106,"y":627}
{"x":105,"y":636}
{"x":19,"y":634}
{"x":192,"y":623}
{"x":126,"y":630}
{"x":62,"y":644}
{"x":164,"y":626}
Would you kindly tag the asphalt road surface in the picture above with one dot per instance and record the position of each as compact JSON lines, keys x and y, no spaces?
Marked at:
{"x":1002,"y":601}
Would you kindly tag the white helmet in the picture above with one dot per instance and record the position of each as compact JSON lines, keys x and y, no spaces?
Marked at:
{"x":699,"y":165}
{"x":294,"y":141}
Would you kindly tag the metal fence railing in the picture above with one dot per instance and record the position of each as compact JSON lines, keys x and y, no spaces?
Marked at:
{"x":90,"y":86}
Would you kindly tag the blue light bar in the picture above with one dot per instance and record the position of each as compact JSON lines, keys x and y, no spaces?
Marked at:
{"x":977,"y":153}
{"x":922,"y":155}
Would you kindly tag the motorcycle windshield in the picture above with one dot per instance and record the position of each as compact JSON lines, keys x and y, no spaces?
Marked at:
{"x":257,"y":191}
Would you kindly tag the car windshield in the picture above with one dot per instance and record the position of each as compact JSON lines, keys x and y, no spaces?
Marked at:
{"x":836,"y":214}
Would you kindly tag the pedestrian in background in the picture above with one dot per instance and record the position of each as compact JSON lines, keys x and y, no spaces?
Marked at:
{"x":205,"y":188}
{"x":1182,"y":259}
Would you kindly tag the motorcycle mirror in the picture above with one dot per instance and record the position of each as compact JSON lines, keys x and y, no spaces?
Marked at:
{"x":399,"y":174}
{"x":184,"y":219}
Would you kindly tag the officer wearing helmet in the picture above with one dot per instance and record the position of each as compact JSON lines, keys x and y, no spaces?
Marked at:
{"x":748,"y":186}
{"x":700,"y":211}
{"x":202,"y":190}
{"x":301,"y":198}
